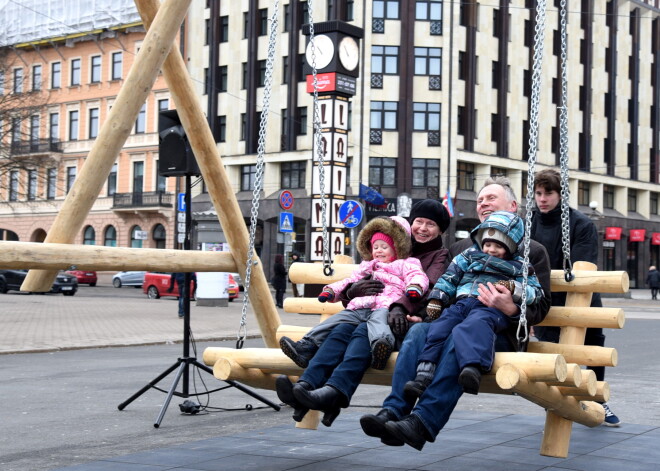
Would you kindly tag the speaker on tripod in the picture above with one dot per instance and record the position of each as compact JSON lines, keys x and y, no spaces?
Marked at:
{"x":176,"y":158}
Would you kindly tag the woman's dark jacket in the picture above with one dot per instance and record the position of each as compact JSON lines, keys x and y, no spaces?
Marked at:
{"x":279,"y":276}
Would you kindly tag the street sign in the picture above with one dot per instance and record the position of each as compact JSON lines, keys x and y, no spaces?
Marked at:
{"x":181,"y":202}
{"x":351,"y":214}
{"x":286,"y":200}
{"x":181,"y":217}
{"x":181,"y":227}
{"x":286,"y":222}
{"x":141,"y":235}
{"x":181,"y":238}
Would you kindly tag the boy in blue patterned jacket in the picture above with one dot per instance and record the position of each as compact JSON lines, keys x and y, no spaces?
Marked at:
{"x":494,"y":258}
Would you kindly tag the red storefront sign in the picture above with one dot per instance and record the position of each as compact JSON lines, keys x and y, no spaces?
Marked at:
{"x":612,"y":233}
{"x":655,"y":238}
{"x":637,"y":235}
{"x":324,"y":82}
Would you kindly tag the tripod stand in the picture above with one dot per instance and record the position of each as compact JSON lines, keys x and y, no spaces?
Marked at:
{"x":183,"y":364}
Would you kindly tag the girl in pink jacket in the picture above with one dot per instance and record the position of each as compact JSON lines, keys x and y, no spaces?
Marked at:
{"x":384,"y":244}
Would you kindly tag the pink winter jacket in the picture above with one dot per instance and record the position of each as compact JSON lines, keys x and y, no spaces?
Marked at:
{"x":396,"y":276}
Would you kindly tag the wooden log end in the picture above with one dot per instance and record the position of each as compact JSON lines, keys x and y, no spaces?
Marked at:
{"x":508,"y":376}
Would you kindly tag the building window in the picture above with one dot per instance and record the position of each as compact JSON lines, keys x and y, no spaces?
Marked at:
{"x":498,"y":172}
{"x":73,"y":125}
{"x":224,"y":29}
{"x":16,"y":136}
{"x":34,"y":131}
{"x":385,"y":60}
{"x":110,"y":237}
{"x":112,"y":181}
{"x":654,"y":203}
{"x":426,"y":116}
{"x":164,"y":104}
{"x":75,"y":72}
{"x":89,"y":236}
{"x":632,"y":200}
{"x":262,"y":26}
{"x":244,"y":76}
{"x":223,"y":78}
{"x":54,"y":123}
{"x":70,"y":178}
{"x":584,"y":193}
{"x":301,"y":68}
{"x":56,"y":75}
{"x":608,"y":197}
{"x":465,"y":176}
{"x":428,"y":61}
{"x":117,"y":65}
{"x":261,"y":70}
{"x":96,"y":69}
{"x":382,"y":171}
{"x":136,"y":231}
{"x":246,"y":25}
{"x":18,"y":80}
{"x":13,"y":185}
{"x":301,"y":119}
{"x":93,"y":122}
{"x":429,"y":10}
{"x":293,"y":174}
{"x":285,"y":69}
{"x":36,"y":78}
{"x":426,"y":173}
{"x":384,"y":115}
{"x":248,"y":176}
{"x":159,"y":236}
{"x":222,"y":129}
{"x":141,"y":121}
{"x":386,"y":9}
{"x":51,"y":183}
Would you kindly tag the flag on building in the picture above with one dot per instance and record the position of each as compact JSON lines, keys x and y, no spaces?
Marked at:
{"x":447,"y":203}
{"x":372,"y":197}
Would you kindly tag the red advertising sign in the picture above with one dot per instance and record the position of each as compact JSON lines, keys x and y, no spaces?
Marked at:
{"x":637,"y":235}
{"x":324,"y":82}
{"x":655,"y":238}
{"x":612,"y":233}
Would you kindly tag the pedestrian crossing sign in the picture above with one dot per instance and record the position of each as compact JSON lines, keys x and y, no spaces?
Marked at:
{"x":286,"y":222}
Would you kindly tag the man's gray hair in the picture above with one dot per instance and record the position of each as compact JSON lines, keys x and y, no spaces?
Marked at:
{"x":504,"y":183}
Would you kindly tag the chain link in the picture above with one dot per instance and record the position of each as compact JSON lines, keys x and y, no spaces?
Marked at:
{"x":316,"y":148}
{"x":258,"y":180}
{"x":563,"y":150}
{"x":539,"y":39}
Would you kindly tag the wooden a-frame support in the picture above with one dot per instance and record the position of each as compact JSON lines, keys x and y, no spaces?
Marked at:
{"x":157,"y":51}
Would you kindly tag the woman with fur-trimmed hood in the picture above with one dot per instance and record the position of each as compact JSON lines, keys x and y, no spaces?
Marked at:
{"x":384,"y":245}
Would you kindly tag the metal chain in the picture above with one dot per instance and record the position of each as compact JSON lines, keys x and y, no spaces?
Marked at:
{"x":258,"y":180}
{"x":316,"y":148}
{"x":563,"y":150}
{"x":539,"y":39}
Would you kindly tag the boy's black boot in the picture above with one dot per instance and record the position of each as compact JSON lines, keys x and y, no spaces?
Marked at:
{"x":300,"y":352}
{"x":284,"y":388}
{"x":327,"y":399}
{"x":415,"y":388}
{"x":380,"y":353}
{"x":470,"y":379}
{"x":410,"y":430}
{"x":374,"y":426}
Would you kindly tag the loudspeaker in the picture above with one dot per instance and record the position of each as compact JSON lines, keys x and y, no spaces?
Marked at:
{"x":176,"y":157}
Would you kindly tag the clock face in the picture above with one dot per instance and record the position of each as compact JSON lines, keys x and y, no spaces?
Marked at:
{"x":349,"y":53}
{"x":324,"y":51}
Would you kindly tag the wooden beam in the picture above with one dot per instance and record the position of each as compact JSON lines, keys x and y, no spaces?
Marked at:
{"x":217,"y":182}
{"x":112,"y":136}
{"x":606,"y":318}
{"x":587,"y":355}
{"x":97,"y":257}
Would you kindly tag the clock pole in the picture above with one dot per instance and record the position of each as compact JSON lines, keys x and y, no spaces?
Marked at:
{"x":336,"y":55}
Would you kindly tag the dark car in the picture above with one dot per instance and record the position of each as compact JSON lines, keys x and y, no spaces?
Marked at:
{"x":13,"y":279}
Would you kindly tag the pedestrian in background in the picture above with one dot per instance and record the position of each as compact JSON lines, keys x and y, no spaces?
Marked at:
{"x":279,"y":280}
{"x":179,"y":280}
{"x":653,"y":280}
{"x":295,"y":257}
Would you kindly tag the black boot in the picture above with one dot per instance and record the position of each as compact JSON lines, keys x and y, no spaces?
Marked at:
{"x":380,"y":353}
{"x":374,"y":426}
{"x":410,"y":430}
{"x":415,"y":388}
{"x":300,"y":352}
{"x":326,"y":399}
{"x":284,"y":388}
{"x":470,"y":379}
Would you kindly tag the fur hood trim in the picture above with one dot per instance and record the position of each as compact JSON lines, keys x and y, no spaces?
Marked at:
{"x":389,"y":226}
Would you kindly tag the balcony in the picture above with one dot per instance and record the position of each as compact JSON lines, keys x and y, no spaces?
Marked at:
{"x":149,"y":201}
{"x":36,"y":146}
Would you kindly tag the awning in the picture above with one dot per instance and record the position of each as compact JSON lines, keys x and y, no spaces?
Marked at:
{"x":637,"y":235}
{"x":612,"y":233}
{"x":655,"y":238}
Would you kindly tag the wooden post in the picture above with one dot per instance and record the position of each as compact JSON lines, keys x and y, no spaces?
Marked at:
{"x":112,"y":136}
{"x":216,"y":180}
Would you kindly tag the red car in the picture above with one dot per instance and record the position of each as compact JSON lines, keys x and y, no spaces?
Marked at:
{"x":156,"y":285}
{"x":84,"y":276}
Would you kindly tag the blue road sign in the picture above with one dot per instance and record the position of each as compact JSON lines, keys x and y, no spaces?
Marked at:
{"x":351,"y":214}
{"x":181,"y":202}
{"x":286,"y":222}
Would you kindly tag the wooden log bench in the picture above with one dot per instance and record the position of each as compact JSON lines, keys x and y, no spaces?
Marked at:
{"x":550,"y":375}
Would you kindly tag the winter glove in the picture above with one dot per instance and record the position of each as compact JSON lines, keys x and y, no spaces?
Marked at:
{"x":364,"y":288}
{"x":326,"y":295}
{"x":515,"y":288}
{"x":414,"y":292}
{"x":397,"y":321}
{"x":433,"y":310}
{"x":508,"y":284}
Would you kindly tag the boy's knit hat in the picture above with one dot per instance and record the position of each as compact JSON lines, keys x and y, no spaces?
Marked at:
{"x":503,"y":227}
{"x":395,"y":227}
{"x":490,"y":234}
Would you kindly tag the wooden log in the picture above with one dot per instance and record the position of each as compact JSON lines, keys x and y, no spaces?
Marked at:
{"x":217,"y":182}
{"x":602,"y":393}
{"x":606,"y":318}
{"x":573,"y":376}
{"x":587,"y":388}
{"x":514,"y":379}
{"x":587,"y":355}
{"x":311,"y":306}
{"x":312,"y":273}
{"x":97,"y":257}
{"x":595,"y":282}
{"x":556,"y":436}
{"x":112,"y":136}
{"x":226,"y":368}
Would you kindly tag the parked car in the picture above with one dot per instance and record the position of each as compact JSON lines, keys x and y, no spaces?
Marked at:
{"x":128,"y":278}
{"x":156,"y":285}
{"x":85,"y":277}
{"x":239,"y":281}
{"x":13,"y":279}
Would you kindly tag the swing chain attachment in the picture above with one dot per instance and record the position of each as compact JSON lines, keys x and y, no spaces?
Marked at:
{"x":258,"y":180}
